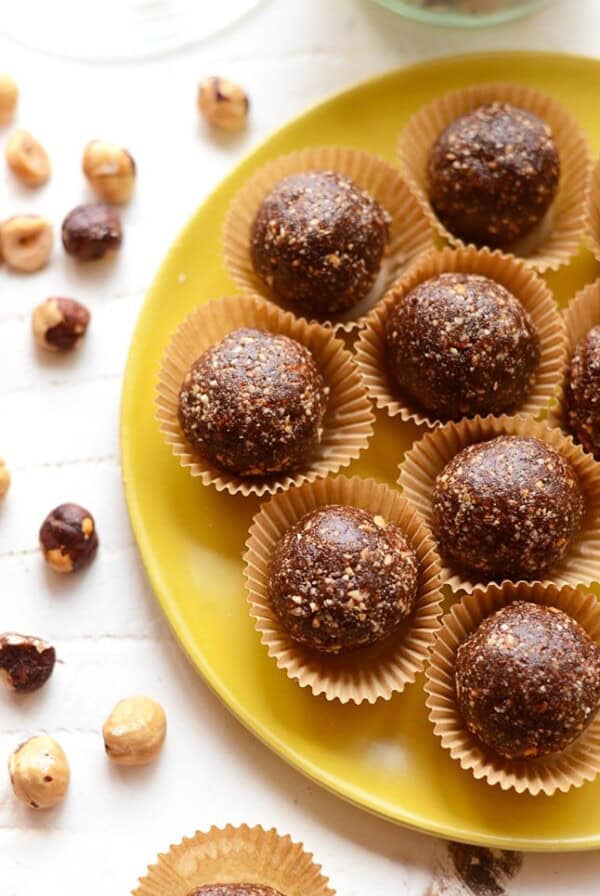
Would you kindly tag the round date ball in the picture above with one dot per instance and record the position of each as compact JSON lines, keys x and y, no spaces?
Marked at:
{"x":493,"y":174}
{"x":528,"y":680}
{"x":254,"y":404}
{"x":91,"y":231}
{"x":68,"y":538}
{"x":460,"y":345}
{"x":582,"y":393}
{"x":342,"y":579}
{"x":318,"y":241}
{"x":234,"y":890}
{"x":507,"y":508}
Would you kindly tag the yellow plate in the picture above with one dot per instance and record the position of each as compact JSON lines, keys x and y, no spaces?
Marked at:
{"x":383,"y":757}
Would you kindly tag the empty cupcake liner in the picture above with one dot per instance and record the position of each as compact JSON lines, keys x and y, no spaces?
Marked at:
{"x":410,"y":231}
{"x":558,"y":236}
{"x":593,"y":213}
{"x":523,"y":283}
{"x":577,"y":763}
{"x":418,"y":471}
{"x":232,"y":855}
{"x":377,"y":672}
{"x":348,"y":421}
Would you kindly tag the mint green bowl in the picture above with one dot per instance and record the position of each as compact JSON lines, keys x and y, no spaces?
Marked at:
{"x":457,"y":18}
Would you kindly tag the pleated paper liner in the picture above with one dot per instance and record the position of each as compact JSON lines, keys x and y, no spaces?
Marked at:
{"x":593,"y":213}
{"x":523,"y":283}
{"x":577,"y":763}
{"x":377,"y":672}
{"x":410,"y":231}
{"x":231,"y":855}
{"x":428,"y":456}
{"x":348,"y":421}
{"x":557,"y":238}
{"x":581,"y":315}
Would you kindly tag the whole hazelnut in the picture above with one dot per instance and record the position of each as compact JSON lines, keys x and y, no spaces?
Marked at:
{"x":110,"y":170}
{"x":26,"y":663}
{"x":135,"y":731}
{"x":4,"y":478}
{"x":9,"y":94}
{"x":68,"y":538}
{"x":92,"y":230}
{"x":59,"y":324}
{"x":223,"y":103}
{"x":26,"y":242}
{"x":27,"y":159}
{"x":39,"y":772}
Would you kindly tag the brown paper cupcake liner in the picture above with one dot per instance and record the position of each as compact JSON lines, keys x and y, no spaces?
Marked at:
{"x":231,"y":855}
{"x":577,"y":763}
{"x":581,"y":564}
{"x":522,"y":282}
{"x":559,"y":235}
{"x":593,"y":213}
{"x":410,"y":231}
{"x":375,"y":673}
{"x":348,"y":421}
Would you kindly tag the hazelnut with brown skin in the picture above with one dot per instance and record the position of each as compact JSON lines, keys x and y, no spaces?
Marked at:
{"x":9,"y":95}
{"x":27,"y":159}
{"x":4,"y":478}
{"x":26,"y":663}
{"x":59,"y":324}
{"x":26,"y":242}
{"x":91,"y":231}
{"x":135,"y":731}
{"x":110,"y":170}
{"x":223,"y":103}
{"x":68,"y":538}
{"x":39,"y":772}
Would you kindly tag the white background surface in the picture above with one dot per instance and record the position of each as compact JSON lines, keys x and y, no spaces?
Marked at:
{"x":58,"y":433}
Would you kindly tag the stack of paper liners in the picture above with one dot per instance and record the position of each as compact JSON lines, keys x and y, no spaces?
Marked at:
{"x":593,"y":213}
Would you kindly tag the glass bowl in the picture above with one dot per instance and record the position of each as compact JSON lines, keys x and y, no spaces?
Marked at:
{"x":461,"y":13}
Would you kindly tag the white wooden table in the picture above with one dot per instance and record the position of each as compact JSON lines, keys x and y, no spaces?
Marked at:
{"x":59,"y":435}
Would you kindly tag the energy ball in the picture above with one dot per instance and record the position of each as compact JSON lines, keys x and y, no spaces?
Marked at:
{"x":528,"y":680}
{"x":254,"y":404}
{"x":507,"y":508}
{"x":493,"y":174}
{"x":234,"y":890}
{"x":582,"y":393}
{"x":460,"y":345}
{"x":342,"y":579}
{"x":318,"y":240}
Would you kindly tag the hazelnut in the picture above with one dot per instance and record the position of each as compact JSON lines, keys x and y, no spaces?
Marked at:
{"x":135,"y":731}
{"x":223,"y":103}
{"x":27,"y":159}
{"x":68,"y":538}
{"x":26,"y":663}
{"x":4,"y":478}
{"x":39,"y":772}
{"x":59,"y":324}
{"x":110,"y":170}
{"x":9,"y":94}
{"x":90,"y":231}
{"x":26,"y":242}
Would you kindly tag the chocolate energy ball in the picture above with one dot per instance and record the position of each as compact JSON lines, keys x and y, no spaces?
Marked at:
{"x":254,"y":404}
{"x":234,"y":890}
{"x":341,"y":579}
{"x":493,"y":174}
{"x":528,"y":680}
{"x":460,"y":345}
{"x":507,"y":508}
{"x":582,"y":393}
{"x":317,"y":242}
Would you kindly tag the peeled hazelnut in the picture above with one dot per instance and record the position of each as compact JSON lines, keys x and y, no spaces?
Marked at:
{"x":27,"y":159}
{"x":26,"y":242}
{"x":223,"y":103}
{"x":90,"y":231}
{"x":135,"y":731}
{"x":110,"y":170}
{"x":9,"y":94}
{"x":59,"y":324}
{"x":4,"y":478}
{"x":68,"y":538}
{"x":26,"y":663}
{"x":39,"y":772}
